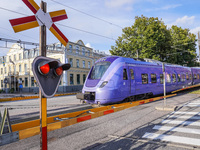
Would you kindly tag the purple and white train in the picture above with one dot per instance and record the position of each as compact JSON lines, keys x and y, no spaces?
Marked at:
{"x":113,"y":79}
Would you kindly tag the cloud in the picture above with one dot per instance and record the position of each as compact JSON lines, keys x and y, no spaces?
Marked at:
{"x":118,"y":3}
{"x":195,"y":30}
{"x":167,"y":7}
{"x":185,"y":22}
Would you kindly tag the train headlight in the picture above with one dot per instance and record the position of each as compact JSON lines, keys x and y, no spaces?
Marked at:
{"x":103,"y":84}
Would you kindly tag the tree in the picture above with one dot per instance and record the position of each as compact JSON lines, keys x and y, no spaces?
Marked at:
{"x":150,"y":38}
{"x":183,"y":47}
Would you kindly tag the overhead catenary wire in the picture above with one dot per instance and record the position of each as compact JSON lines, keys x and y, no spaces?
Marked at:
{"x":65,"y":26}
{"x":87,"y":14}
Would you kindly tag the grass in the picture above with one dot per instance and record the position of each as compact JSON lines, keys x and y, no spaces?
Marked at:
{"x":195,"y":92}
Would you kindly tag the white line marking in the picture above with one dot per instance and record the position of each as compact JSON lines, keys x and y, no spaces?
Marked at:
{"x":194,"y":103}
{"x":172,"y":138}
{"x":188,"y":105}
{"x":186,"y":113}
{"x":177,"y":129}
{"x":181,"y":122}
{"x":184,"y":117}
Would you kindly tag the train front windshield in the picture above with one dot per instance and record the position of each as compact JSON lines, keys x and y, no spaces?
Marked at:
{"x":99,"y":69}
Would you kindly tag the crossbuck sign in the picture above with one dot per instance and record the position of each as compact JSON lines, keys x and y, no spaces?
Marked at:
{"x":40,"y":18}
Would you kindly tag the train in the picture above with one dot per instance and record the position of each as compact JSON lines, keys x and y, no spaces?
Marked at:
{"x":114,"y":79}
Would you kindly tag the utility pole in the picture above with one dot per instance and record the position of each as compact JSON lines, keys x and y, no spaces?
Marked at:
{"x":43,"y":100}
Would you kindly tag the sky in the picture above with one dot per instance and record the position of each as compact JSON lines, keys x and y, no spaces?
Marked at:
{"x":101,"y":20}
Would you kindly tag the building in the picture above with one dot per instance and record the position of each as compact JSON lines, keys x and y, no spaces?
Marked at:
{"x":16,"y":66}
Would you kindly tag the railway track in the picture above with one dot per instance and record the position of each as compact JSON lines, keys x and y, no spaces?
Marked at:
{"x":31,"y":128}
{"x":75,"y":114}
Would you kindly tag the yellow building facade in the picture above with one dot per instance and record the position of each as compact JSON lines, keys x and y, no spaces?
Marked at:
{"x":16,"y":66}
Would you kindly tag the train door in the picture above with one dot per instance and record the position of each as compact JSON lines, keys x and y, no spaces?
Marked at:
{"x":125,"y":89}
{"x":132,"y":80}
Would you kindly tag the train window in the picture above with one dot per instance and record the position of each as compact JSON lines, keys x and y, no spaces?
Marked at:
{"x":173,"y":77}
{"x":179,"y":78}
{"x":99,"y":69}
{"x":144,"y":78}
{"x":190,"y":77}
{"x":195,"y":76}
{"x":168,"y":78}
{"x":153,"y":78}
{"x":132,"y":74}
{"x":182,"y":77}
{"x":161,"y":78}
{"x":125,"y":77}
{"x":187,"y":76}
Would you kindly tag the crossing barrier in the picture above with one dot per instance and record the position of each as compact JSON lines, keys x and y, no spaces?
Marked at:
{"x":32,"y":128}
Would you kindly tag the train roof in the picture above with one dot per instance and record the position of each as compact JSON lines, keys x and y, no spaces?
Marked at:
{"x":145,"y":61}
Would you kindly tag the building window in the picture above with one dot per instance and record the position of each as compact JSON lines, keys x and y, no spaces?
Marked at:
{"x":5,"y":70}
{"x":88,"y":53}
{"x":14,"y":69}
{"x":161,"y":78}
{"x":77,"y":49}
{"x":1,"y":70}
{"x":71,"y":79}
{"x":78,"y":78}
{"x":71,"y":62}
{"x":132,"y":74}
{"x":20,"y":68}
{"x":83,"y":51}
{"x":77,"y":63}
{"x":32,"y":81}
{"x":20,"y":56}
{"x":84,"y":77}
{"x":1,"y":83}
{"x":9,"y":68}
{"x":88,"y":64}
{"x":83,"y":63}
{"x":25,"y":68}
{"x":26,"y":81}
{"x":153,"y":78}
{"x":14,"y":57}
{"x":145,"y":78}
{"x":70,"y":48}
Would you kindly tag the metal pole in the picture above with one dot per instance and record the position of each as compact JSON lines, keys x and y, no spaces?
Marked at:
{"x":164,"y":83}
{"x":43,"y":100}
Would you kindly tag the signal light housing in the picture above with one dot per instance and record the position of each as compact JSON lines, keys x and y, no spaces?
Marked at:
{"x":48,"y":73}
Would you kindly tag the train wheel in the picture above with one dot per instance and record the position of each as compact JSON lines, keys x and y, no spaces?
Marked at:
{"x":131,"y":98}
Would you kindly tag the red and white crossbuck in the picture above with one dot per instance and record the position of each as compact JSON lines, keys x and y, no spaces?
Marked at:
{"x":40,"y":18}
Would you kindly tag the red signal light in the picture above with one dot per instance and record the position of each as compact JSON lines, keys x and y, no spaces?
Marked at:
{"x":59,"y":71}
{"x":45,"y":69}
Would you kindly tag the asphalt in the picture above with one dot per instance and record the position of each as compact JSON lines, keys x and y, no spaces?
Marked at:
{"x":121,"y":130}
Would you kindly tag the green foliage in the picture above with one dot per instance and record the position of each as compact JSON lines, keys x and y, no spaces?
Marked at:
{"x":151,"y":39}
